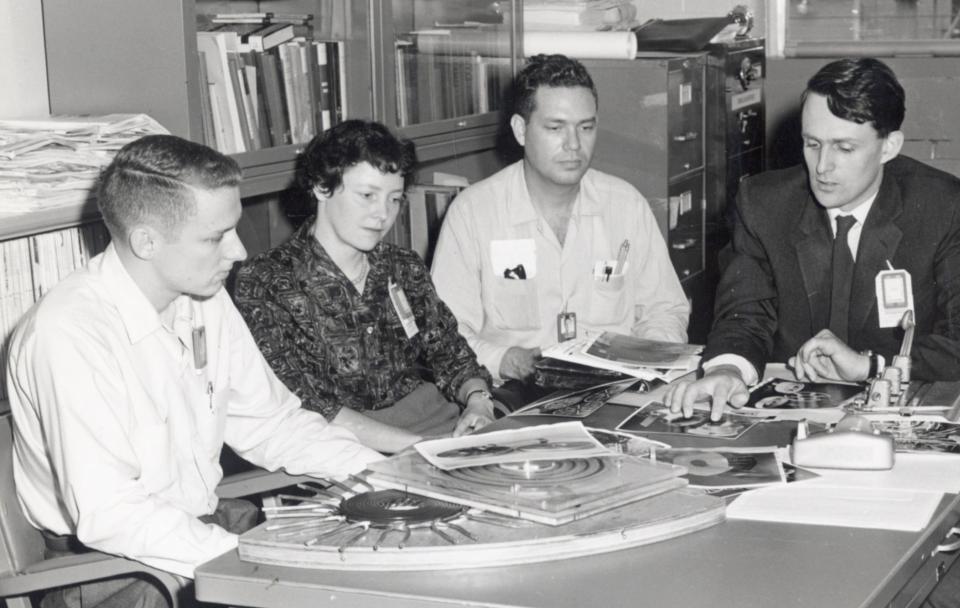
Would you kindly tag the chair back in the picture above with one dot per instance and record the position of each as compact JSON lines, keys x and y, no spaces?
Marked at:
{"x":20,"y":543}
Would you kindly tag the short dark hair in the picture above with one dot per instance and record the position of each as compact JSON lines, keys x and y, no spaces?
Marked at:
{"x":862,"y":90}
{"x":548,"y":71}
{"x":331,"y":153}
{"x":150,"y":180}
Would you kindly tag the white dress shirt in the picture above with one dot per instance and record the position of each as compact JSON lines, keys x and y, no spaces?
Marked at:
{"x":493,"y":226}
{"x":117,"y":435}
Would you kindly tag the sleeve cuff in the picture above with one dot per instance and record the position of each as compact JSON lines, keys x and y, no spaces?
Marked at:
{"x":747,"y":371}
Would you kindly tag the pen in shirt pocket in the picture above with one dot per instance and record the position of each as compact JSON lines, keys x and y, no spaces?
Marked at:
{"x":621,"y":258}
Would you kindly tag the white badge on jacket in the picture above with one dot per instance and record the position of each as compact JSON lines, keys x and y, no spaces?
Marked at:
{"x":894,"y":296}
{"x":514,"y":258}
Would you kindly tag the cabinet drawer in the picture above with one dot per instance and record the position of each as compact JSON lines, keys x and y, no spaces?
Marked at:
{"x":685,"y":115}
{"x":685,"y":225}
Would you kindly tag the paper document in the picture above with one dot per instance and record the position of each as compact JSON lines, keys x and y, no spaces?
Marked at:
{"x":815,"y":504}
{"x":646,"y":359}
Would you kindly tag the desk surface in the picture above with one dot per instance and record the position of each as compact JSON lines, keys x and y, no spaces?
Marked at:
{"x":736,"y":564}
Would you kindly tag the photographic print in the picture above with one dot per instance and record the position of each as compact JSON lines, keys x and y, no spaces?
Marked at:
{"x":656,"y":417}
{"x":561,"y":441}
{"x":724,"y":469}
{"x":791,"y":395}
{"x":577,"y":404}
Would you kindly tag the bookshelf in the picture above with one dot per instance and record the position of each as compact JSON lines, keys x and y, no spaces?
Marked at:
{"x":444,"y":67}
{"x":142,"y":56}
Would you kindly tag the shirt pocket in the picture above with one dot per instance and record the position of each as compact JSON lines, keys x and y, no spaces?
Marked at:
{"x":609,"y":303}
{"x":514,"y":304}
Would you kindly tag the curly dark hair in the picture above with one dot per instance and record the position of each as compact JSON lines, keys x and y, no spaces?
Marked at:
{"x":344,"y":145}
{"x":862,"y":90}
{"x":150,"y":180}
{"x":548,"y":71}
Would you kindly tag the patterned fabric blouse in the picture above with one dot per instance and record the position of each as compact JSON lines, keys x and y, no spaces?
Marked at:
{"x":335,"y":347}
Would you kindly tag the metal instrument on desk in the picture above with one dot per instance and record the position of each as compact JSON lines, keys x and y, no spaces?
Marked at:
{"x":891,"y":387}
{"x":853,"y":443}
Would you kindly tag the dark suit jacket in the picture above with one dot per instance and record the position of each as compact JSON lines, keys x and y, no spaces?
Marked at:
{"x":775,"y":291}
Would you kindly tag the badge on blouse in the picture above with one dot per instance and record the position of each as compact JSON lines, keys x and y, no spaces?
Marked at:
{"x":402,"y":306}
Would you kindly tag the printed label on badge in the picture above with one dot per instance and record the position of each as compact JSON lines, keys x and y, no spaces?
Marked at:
{"x":566,"y":326}
{"x":404,"y":312}
{"x":894,"y":296}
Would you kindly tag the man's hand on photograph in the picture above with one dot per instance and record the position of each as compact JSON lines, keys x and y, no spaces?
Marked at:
{"x":720,"y":386}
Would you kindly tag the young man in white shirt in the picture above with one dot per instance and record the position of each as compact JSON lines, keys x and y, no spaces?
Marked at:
{"x":126,"y":379}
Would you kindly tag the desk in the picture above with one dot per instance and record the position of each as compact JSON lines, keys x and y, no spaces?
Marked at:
{"x":737,"y":564}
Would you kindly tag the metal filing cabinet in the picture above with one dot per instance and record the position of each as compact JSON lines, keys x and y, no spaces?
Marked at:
{"x":735,"y":122}
{"x":652,"y":134}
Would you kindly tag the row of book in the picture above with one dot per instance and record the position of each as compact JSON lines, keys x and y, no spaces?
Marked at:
{"x":266,"y":86}
{"x":418,"y":224}
{"x":436,"y":86}
{"x":33,"y":265}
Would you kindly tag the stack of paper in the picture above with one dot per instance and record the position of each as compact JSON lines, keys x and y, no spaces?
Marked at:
{"x":638,"y":357}
{"x":54,"y":162}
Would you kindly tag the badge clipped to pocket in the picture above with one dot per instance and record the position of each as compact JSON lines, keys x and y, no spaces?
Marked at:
{"x":894,"y":296}
{"x":402,"y":306}
{"x":566,"y":326}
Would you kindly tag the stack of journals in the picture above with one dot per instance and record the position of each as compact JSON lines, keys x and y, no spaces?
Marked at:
{"x":268,"y":82}
{"x":645,"y":359}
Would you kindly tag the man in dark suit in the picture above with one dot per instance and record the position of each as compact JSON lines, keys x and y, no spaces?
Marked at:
{"x":785,"y":296}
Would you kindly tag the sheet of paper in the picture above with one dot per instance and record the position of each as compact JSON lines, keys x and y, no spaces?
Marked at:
{"x":855,"y":507}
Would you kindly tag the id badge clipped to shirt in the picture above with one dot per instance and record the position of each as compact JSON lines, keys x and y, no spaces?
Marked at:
{"x":402,"y":307}
{"x":566,"y":326}
{"x":894,"y":296}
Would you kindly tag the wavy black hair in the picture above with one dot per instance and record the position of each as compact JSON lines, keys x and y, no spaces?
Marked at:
{"x":547,"y":71}
{"x":349,"y":143}
{"x":862,"y":90}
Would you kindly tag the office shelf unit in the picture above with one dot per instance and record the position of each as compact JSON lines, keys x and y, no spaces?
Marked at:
{"x":139,"y":56}
{"x":652,"y":134}
{"x":441,"y":69}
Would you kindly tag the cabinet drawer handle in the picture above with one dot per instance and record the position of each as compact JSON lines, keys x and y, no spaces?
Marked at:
{"x":684,"y":244}
{"x":949,"y":547}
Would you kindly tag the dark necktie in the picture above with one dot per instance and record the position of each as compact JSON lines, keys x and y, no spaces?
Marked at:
{"x":842,"y":277}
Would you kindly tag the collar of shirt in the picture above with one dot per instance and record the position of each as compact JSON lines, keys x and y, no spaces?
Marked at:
{"x":860,"y":214}
{"x":136,"y":312}
{"x":521,"y":209}
{"x":311,"y":260}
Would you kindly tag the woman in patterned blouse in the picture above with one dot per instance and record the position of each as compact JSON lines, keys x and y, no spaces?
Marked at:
{"x":353,"y":325}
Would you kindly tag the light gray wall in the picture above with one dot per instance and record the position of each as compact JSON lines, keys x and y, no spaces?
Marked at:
{"x":931,"y":126}
{"x":23,"y":74}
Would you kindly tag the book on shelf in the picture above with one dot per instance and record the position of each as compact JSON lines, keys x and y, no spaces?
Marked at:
{"x":33,"y":265}
{"x":215,"y":48}
{"x":437,"y":86}
{"x":269,"y":36}
{"x":418,"y":223}
{"x":264,"y":84}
